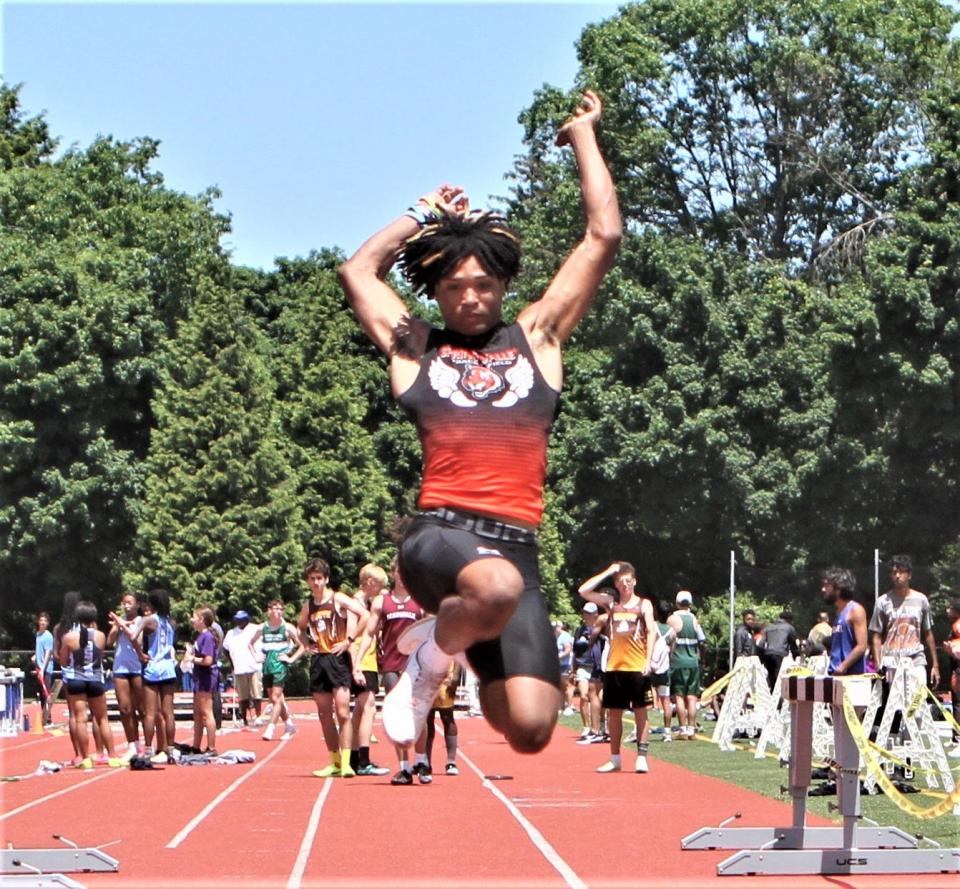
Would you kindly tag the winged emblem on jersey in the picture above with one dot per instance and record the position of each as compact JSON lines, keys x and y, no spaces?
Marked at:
{"x":481,"y":382}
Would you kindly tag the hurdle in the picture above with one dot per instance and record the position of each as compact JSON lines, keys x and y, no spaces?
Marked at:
{"x":799,"y":849}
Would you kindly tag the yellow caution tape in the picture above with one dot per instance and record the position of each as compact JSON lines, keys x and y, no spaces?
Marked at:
{"x":718,"y":686}
{"x":943,"y":807}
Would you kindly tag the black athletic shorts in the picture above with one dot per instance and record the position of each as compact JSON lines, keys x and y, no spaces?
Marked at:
{"x":330,"y":671}
{"x":434,"y":552}
{"x":373,"y":683}
{"x":626,"y":691}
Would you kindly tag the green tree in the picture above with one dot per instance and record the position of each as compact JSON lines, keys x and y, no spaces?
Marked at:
{"x":98,"y":261}
{"x":761,"y":151}
{"x":352,"y":455}
{"x":220,"y":523}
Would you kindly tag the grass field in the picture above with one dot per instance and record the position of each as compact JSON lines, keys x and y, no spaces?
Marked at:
{"x":765,"y":776}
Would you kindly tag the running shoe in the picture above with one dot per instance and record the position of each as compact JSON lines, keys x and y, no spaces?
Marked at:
{"x":587,"y":738}
{"x":129,"y":753}
{"x":402,"y":777}
{"x":602,"y":738}
{"x":371,"y":768}
{"x":329,"y":771}
{"x":116,"y":763}
{"x":289,"y":729}
{"x":586,"y":732}
{"x":211,"y":753}
{"x":451,"y":769}
{"x":610,"y":766}
{"x":268,"y":734}
{"x":631,"y":738}
{"x":85,"y":764}
{"x":641,"y":765}
{"x":160,"y":759}
{"x":406,"y":708}
{"x":346,"y":770}
{"x":668,"y":736}
{"x":423,"y":772}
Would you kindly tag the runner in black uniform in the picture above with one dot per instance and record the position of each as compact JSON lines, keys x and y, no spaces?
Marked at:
{"x":483,"y":395}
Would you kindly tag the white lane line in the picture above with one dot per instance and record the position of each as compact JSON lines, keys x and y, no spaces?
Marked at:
{"x":545,"y":849}
{"x":300,"y":865}
{"x":51,"y":796}
{"x":186,"y":831}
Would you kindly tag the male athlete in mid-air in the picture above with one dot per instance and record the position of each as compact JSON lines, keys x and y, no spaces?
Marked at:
{"x":483,"y":394}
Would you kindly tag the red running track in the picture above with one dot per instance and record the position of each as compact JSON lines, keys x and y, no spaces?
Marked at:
{"x":550,"y":821}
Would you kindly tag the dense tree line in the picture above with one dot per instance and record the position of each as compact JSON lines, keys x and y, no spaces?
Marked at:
{"x":771,"y":367}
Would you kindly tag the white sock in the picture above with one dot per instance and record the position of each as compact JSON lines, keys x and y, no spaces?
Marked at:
{"x":615,"y":758}
{"x":404,"y":765}
{"x":421,"y":758}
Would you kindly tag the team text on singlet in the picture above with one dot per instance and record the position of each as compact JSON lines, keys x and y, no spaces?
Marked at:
{"x":628,"y":638}
{"x":327,"y":625}
{"x":395,"y":618}
{"x":483,"y":412}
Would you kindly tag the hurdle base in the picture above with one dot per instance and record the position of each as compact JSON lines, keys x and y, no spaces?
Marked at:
{"x":823,"y":838}
{"x":50,"y":861}
{"x":44,"y":881}
{"x":840,"y":861}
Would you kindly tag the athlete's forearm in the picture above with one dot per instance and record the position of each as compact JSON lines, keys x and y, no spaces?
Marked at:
{"x":596,"y":186}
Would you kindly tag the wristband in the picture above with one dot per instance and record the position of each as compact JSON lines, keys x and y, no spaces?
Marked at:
{"x":423,"y":212}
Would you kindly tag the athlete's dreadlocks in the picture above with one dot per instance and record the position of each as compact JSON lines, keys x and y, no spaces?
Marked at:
{"x":440,"y":245}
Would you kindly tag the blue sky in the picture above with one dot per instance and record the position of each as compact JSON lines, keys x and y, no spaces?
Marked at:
{"x":319,"y":122}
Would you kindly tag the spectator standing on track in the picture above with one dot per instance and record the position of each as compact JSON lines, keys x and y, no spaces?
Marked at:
{"x":82,"y":649}
{"x":247,"y":675}
{"x":565,"y":658}
{"x":588,"y":686}
{"x":744,"y":644}
{"x":391,"y":613}
{"x":128,"y":671}
{"x":281,"y":647}
{"x":483,"y":394}
{"x":43,"y":660}
{"x":443,"y":706}
{"x":951,"y":646}
{"x":330,"y":620}
{"x":155,"y":635}
{"x":373,"y":580}
{"x":206,"y":677}
{"x":779,"y":638}
{"x":663,"y":651}
{"x":685,"y":664}
{"x":626,"y":682}
{"x":848,"y":645}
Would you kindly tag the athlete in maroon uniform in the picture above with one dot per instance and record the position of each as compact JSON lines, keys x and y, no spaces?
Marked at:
{"x":392,"y":612}
{"x":482,"y":394}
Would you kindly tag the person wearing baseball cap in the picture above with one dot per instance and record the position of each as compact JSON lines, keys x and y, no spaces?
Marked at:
{"x":588,"y":675}
{"x":685,"y":664}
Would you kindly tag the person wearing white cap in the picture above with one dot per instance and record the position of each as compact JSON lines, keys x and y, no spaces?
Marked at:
{"x":587,"y":674}
{"x":685,"y":664}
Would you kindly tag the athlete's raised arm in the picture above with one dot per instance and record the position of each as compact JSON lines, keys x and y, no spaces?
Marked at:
{"x":378,"y":308}
{"x":552,"y":319}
